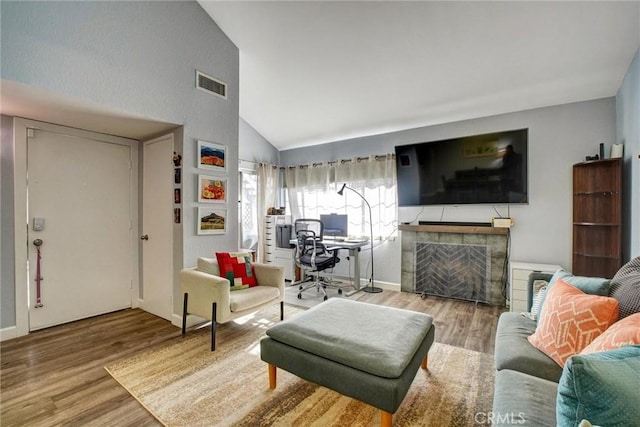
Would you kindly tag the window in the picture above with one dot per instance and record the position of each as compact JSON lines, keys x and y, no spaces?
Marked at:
{"x":247,"y":207}
{"x":313,"y":190}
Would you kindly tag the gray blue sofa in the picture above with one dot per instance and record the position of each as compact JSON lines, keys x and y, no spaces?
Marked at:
{"x":531,"y":389}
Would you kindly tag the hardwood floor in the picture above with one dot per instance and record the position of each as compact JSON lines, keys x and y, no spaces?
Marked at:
{"x":459,"y":323}
{"x":56,"y":376}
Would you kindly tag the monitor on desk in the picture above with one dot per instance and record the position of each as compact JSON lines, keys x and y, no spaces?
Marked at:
{"x":335,"y":225}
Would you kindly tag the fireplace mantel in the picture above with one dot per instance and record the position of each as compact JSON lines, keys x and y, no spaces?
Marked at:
{"x":457,"y":228}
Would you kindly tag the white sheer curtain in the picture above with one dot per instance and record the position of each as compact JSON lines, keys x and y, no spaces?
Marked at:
{"x":268,"y":185}
{"x":312,"y":191}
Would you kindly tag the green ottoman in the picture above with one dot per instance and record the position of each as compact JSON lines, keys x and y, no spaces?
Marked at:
{"x":365,"y":351}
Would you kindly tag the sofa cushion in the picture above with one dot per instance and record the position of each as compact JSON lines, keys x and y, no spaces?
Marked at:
{"x":588,"y":285}
{"x":622,"y":333}
{"x":523,"y":400}
{"x":625,"y":287}
{"x":252,"y":297}
{"x":570,"y":320}
{"x":600,"y":387}
{"x":513,"y":351}
{"x":236,"y":268}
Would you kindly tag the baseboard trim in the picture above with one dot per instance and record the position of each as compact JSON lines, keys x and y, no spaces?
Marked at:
{"x":390,"y":286}
{"x":8,"y":333}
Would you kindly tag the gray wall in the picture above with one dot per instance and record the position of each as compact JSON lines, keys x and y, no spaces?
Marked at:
{"x":254,"y":147}
{"x":138,"y":58}
{"x":558,"y":137}
{"x":7,"y":258}
{"x":628,"y":133}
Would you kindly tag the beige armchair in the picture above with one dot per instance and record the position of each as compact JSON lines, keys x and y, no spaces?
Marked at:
{"x":209,"y":296}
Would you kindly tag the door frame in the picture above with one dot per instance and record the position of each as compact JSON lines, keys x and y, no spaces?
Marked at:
{"x":20,"y":128}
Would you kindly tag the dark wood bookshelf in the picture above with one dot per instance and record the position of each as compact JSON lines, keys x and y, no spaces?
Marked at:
{"x":597,"y":218}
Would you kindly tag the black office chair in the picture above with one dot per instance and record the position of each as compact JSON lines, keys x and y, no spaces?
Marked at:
{"x":312,"y":255}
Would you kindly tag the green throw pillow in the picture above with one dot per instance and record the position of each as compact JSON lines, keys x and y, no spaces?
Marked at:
{"x":600,"y":387}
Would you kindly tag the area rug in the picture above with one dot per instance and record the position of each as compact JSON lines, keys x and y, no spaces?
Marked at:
{"x":185,"y":384}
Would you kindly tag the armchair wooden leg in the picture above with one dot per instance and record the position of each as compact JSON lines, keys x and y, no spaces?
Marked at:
{"x":184,"y":313}
{"x":281,"y":310}
{"x":213,"y":326}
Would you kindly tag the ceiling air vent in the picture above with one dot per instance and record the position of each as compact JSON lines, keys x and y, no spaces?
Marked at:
{"x":211,"y":85}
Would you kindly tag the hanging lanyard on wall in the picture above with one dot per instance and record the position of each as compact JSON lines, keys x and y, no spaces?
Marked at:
{"x":39,"y":304}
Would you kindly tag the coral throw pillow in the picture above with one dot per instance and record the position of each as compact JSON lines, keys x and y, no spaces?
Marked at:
{"x":236,"y":267}
{"x":570,"y":320}
{"x":622,"y":333}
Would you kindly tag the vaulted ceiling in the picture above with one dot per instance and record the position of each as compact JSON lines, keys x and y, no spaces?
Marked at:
{"x":315,"y":72}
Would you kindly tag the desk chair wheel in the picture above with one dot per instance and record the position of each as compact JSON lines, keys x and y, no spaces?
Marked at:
{"x":300,"y":295}
{"x":325,"y":298}
{"x":339,"y":291}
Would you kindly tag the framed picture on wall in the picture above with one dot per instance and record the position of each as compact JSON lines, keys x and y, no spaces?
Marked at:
{"x":212,"y":156}
{"x":212,"y":189}
{"x":212,"y":220}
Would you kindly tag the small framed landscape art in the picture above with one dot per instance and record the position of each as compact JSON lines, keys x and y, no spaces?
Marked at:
{"x":212,"y":156}
{"x":212,"y":189}
{"x":212,"y":220}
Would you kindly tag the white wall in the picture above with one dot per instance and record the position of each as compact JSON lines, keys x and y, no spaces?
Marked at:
{"x":558,"y":137}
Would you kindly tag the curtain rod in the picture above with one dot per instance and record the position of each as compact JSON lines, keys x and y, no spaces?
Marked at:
{"x":377,"y":157}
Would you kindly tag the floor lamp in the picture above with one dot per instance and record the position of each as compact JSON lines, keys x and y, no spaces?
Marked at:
{"x":370,"y":289}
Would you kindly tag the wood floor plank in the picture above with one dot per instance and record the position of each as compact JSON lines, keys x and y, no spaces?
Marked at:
{"x":56,"y":376}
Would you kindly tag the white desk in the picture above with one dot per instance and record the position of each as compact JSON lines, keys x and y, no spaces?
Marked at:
{"x":354,"y":251}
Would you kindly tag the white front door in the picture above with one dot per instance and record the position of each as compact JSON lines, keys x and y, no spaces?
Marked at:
{"x":79,"y":206}
{"x":157,"y":226}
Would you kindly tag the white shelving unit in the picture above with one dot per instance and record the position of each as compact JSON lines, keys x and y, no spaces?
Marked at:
{"x":273,"y":254}
{"x":519,"y":279}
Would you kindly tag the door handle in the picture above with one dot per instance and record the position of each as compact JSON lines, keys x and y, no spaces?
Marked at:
{"x":144,"y":237}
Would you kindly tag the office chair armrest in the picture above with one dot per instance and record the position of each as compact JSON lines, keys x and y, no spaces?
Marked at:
{"x":269,"y":275}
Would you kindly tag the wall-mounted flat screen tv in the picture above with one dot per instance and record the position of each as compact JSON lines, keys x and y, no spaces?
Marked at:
{"x":483,"y":169}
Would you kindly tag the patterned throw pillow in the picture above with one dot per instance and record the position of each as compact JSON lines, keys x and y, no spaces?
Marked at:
{"x":541,"y":290}
{"x":623,"y":332}
{"x":625,"y":287}
{"x":570,"y":320}
{"x":588,"y":285}
{"x":236,"y":267}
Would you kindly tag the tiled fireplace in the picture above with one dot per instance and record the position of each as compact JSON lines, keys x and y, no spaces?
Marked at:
{"x":459,"y":261}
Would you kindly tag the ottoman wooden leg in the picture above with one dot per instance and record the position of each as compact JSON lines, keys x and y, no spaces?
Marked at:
{"x":272,"y":376}
{"x":386,"y":419}
{"x":423,"y":365}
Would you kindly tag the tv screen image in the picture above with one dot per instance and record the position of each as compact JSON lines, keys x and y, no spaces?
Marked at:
{"x":489,"y":168}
